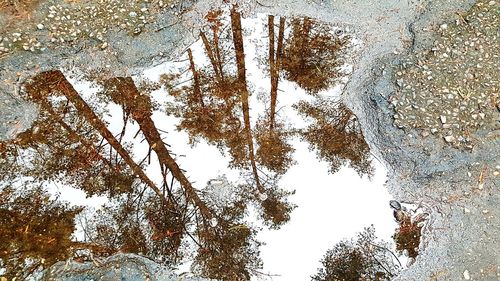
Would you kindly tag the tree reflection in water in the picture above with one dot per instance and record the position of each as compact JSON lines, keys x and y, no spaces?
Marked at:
{"x":166,"y":217}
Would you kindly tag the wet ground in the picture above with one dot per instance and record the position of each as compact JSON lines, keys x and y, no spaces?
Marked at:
{"x":442,"y":155}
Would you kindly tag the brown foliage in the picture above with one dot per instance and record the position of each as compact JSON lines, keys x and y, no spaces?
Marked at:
{"x":407,"y":237}
{"x":357,"y":260}
{"x":33,"y":227}
{"x":311,"y":55}
{"x":228,"y":251}
{"x":273,"y":151}
{"x":63,"y":145}
{"x":336,"y":136}
{"x":276,"y":209}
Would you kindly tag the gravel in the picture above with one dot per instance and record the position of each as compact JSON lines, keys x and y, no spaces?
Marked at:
{"x":452,"y":91}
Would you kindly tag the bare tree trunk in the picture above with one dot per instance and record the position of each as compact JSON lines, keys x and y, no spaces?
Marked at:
{"x":138,"y":106}
{"x":45,"y":105}
{"x":218,"y":55}
{"x":58,"y":82}
{"x":275,"y":59}
{"x":242,"y":87}
{"x":196,"y":77}
{"x":211,"y":56}
{"x":272,"y":71}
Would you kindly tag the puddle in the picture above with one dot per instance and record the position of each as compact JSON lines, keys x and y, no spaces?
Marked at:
{"x":243,"y":140}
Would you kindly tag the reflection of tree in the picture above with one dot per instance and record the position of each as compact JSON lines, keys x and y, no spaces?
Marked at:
{"x":156,"y":218}
{"x":54,"y":81}
{"x":35,"y":231}
{"x":335,"y":135}
{"x":311,"y":55}
{"x":274,"y":151}
{"x":229,"y":251}
{"x":279,"y":215}
{"x":214,"y":240}
{"x":124,"y":92}
{"x":217,"y":96}
{"x":275,"y":61}
{"x":362,"y":259}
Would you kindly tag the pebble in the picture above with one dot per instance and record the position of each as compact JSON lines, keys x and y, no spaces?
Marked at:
{"x":104,"y":45}
{"x":466,"y":210}
{"x":40,"y":26}
{"x":449,"y":138}
{"x":213,"y":222}
{"x":262,"y":196}
{"x":466,"y":275}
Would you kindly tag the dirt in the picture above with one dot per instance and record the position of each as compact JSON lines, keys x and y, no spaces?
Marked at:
{"x":454,"y":180}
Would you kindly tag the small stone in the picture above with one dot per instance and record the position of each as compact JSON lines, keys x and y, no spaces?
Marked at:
{"x":263,"y":197}
{"x":482,"y":115}
{"x":425,"y":134}
{"x":144,"y":10}
{"x":466,"y":275}
{"x":40,"y":26}
{"x":485,"y":211}
{"x":104,"y":45}
{"x":132,"y":14}
{"x":213,"y":222}
{"x":449,"y":138}
{"x":444,"y":26}
{"x":466,"y":210}
{"x":443,"y":119}
{"x":434,"y":130}
{"x":480,"y":186}
{"x":491,"y":3}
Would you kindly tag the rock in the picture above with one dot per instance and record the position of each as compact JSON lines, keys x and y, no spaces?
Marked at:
{"x":443,"y":119}
{"x":395,"y":205}
{"x":262,"y":196}
{"x":449,"y":138}
{"x":466,"y":275}
{"x":40,"y":26}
